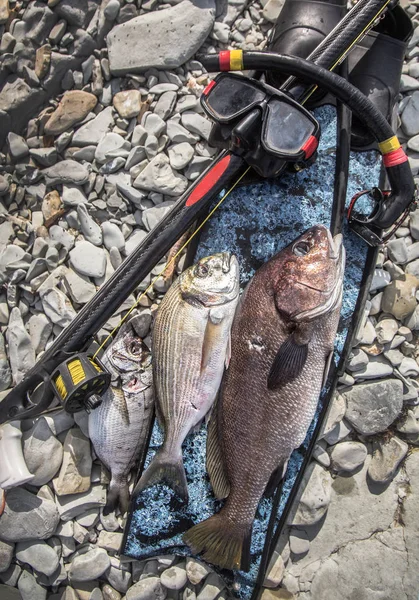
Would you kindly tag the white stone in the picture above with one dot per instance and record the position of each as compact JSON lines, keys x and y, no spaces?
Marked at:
{"x":57,"y":307}
{"x":165,"y":38}
{"x":387,"y":455}
{"x":372,"y":407}
{"x":315,"y":499}
{"x":174,"y":578}
{"x":93,"y":131}
{"x":90,"y":565}
{"x":158,"y":176}
{"x":347,"y":456}
{"x":88,"y":260}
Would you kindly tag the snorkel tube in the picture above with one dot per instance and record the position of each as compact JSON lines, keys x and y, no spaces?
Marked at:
{"x":389,"y":207}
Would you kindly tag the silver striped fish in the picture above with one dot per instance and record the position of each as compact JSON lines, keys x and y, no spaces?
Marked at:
{"x":191,"y":337}
{"x":119,"y":427}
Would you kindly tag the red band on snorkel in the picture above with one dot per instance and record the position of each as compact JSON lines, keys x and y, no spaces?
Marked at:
{"x":231,"y":60}
{"x":224,"y":58}
{"x":395,"y":157}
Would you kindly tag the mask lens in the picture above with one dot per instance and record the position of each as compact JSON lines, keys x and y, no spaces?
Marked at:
{"x":287,"y":129}
{"x":230,"y":96}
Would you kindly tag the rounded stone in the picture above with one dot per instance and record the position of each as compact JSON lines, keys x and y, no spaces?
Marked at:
{"x":174,"y":578}
{"x":387,"y":455}
{"x":42,"y":451}
{"x":128,"y":103}
{"x":27,"y":517}
{"x":348,"y":456}
{"x":316,"y":497}
{"x":372,"y":407}
{"x":90,"y":565}
{"x":74,"y":106}
{"x":399,"y":297}
{"x":38,"y":555}
{"x":147,"y":589}
{"x":88,"y":259}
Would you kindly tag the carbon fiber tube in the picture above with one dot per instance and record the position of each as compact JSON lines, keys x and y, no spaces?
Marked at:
{"x":337,"y":45}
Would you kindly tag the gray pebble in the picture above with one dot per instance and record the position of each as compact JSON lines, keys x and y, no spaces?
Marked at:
{"x":112,"y":236}
{"x":21,"y":352}
{"x":372,"y":407}
{"x":410,"y":116}
{"x":29,"y":588}
{"x":174,"y":578}
{"x":43,"y":453}
{"x":6,"y":555}
{"x":27,"y":517}
{"x":17,"y":146}
{"x":37,"y":554}
{"x":147,"y":589}
{"x":57,"y":307}
{"x":80,"y":288}
{"x":66,"y":172}
{"x":90,"y":565}
{"x":111,"y":10}
{"x":165,"y":105}
{"x":90,"y":229}
{"x":88,"y":260}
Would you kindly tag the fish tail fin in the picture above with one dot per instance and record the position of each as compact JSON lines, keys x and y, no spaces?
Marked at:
{"x":118,"y":495}
{"x":223,"y":542}
{"x":165,"y":468}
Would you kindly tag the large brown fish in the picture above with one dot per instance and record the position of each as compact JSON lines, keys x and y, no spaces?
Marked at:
{"x":191,"y":336}
{"x":119,"y":427}
{"x":282,"y":341}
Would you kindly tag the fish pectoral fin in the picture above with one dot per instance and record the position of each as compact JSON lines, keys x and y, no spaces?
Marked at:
{"x":211,"y":337}
{"x":216,"y":315}
{"x":288,"y":363}
{"x":121,"y":403}
{"x":215,"y":462}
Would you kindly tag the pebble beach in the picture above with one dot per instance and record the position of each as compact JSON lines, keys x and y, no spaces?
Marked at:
{"x":101,"y":130}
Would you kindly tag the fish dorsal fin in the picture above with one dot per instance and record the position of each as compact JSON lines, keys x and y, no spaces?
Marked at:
{"x":211,"y":336}
{"x":288,"y":362}
{"x":215,"y":461}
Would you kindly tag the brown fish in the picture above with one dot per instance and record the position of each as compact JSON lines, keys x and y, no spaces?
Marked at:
{"x":282,"y":342}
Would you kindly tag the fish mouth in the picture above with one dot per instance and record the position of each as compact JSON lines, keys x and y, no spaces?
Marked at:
{"x":335,"y":245}
{"x":226,"y":259}
{"x":334,"y":295}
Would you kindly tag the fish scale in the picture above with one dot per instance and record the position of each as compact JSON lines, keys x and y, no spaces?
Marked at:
{"x":282,"y":337}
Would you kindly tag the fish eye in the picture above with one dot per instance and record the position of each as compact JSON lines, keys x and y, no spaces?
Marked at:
{"x":135,"y":348}
{"x":301,"y":249}
{"x":202,"y":270}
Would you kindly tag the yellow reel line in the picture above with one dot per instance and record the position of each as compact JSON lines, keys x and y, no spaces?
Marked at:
{"x":169,"y":264}
{"x":349,"y":48}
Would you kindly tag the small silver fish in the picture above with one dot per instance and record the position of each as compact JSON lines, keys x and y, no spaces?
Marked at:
{"x":119,"y":427}
{"x":191,"y":338}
